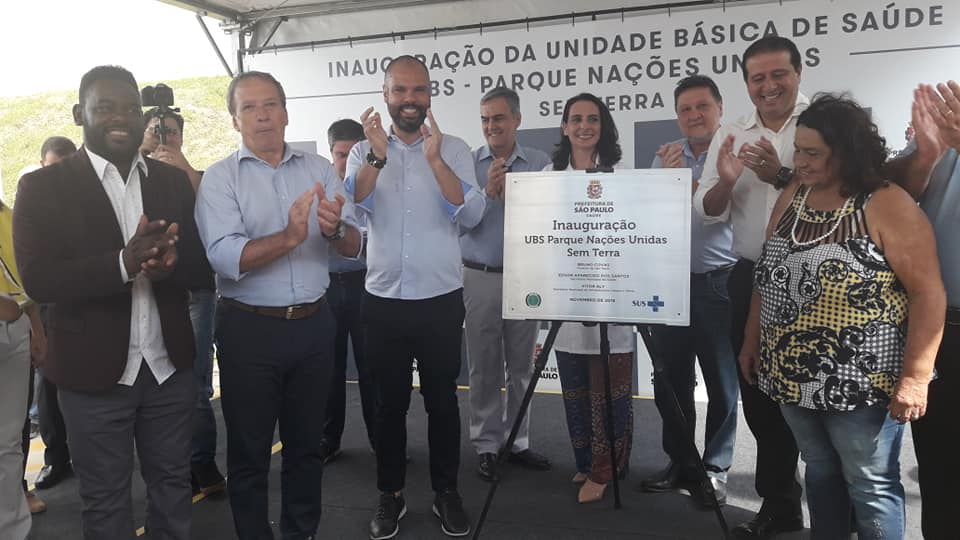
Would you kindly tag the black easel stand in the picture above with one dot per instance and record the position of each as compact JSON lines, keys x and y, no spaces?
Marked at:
{"x":538,"y":366}
{"x":661,"y":385}
{"x":674,"y":415}
{"x":608,"y":399}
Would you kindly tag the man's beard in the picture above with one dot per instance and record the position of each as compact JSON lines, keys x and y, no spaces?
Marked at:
{"x":98,"y":137}
{"x":403,"y":124}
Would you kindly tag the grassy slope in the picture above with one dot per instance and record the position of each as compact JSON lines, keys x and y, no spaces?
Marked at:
{"x":26,"y":121}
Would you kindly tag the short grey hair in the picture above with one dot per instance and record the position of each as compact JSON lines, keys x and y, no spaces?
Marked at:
{"x":511,"y":97}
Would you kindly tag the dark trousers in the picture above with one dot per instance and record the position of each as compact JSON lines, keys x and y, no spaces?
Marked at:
{"x":429,"y":330}
{"x":345,"y":295}
{"x":935,"y":439}
{"x":105,"y":428}
{"x":274,"y":370}
{"x":777,"y":453}
{"x":52,"y":429}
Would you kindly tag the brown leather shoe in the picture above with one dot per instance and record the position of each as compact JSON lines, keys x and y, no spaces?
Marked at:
{"x":590,"y":492}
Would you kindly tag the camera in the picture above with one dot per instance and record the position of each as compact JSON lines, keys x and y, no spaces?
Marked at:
{"x":161,"y":97}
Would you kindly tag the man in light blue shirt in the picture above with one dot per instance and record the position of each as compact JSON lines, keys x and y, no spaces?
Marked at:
{"x":929,"y":169}
{"x":699,"y":107}
{"x":416,"y":187}
{"x":500,"y":352}
{"x":268,"y":215}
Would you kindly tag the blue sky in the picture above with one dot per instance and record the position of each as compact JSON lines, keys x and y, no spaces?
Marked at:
{"x":51,"y":43}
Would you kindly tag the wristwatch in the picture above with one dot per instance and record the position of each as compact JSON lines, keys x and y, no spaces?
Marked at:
{"x":341,"y":232}
{"x":374,"y":161}
{"x":783,"y":177}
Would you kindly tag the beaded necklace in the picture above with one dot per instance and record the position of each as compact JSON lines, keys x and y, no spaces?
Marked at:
{"x":836,"y":223}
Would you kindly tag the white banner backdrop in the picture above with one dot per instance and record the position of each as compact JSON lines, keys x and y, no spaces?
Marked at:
{"x":876,"y":51}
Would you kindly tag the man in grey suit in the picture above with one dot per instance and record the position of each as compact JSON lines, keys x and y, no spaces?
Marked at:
{"x":498,"y":351}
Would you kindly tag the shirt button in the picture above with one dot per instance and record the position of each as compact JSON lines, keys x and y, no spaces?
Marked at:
{"x":409,"y":211}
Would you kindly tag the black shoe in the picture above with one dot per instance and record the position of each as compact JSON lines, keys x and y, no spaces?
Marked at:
{"x":207,"y":478}
{"x":766,"y":525}
{"x":669,"y":479}
{"x":51,"y":475}
{"x":329,"y":453}
{"x":528,"y":459}
{"x":703,"y":499}
{"x":390,"y":509}
{"x":487,"y":468}
{"x":448,"y":506}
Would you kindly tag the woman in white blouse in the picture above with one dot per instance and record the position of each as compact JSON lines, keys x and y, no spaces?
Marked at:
{"x":590,"y":140}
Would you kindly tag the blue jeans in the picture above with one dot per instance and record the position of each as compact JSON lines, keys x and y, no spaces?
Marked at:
{"x":707,"y":338}
{"x":852,"y":458}
{"x":203,"y":305}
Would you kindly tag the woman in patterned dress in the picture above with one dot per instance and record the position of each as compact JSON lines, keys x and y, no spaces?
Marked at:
{"x":849,"y":258}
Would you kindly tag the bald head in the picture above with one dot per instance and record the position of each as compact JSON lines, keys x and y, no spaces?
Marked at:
{"x":404,"y":62}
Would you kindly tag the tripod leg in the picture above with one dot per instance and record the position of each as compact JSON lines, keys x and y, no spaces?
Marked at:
{"x":608,"y":398}
{"x":674,"y":415}
{"x":538,"y":365}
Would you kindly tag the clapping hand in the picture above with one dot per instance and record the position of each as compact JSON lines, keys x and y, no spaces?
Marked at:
{"x":297,"y":217}
{"x":373,"y":130}
{"x":671,"y":156}
{"x":160,"y":266}
{"x":943,"y":107}
{"x":762,"y":159}
{"x":148,"y":242}
{"x":329,"y":212}
{"x":496,"y":178}
{"x":729,"y":165}
{"x":432,"y":138}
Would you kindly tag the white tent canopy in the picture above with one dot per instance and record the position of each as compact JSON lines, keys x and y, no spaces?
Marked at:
{"x":261,"y":26}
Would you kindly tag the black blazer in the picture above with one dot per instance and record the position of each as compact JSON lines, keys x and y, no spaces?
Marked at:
{"x":68,"y":242}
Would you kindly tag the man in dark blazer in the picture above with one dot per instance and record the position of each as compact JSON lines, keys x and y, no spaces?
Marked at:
{"x":108,"y":237}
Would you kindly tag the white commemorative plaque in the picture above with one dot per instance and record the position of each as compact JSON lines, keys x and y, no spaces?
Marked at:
{"x":604,"y":247}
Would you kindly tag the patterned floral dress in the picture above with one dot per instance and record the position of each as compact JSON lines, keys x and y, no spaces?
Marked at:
{"x":833,"y":314}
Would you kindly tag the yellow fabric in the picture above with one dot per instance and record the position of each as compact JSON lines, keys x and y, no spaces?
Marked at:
{"x":10,"y":284}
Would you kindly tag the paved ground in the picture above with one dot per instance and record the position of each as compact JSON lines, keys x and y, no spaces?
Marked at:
{"x":528,"y":505}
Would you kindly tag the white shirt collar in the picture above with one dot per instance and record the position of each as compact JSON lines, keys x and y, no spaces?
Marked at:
{"x":100,"y":164}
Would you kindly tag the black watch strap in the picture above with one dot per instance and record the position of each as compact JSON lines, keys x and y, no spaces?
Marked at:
{"x":784,"y":176}
{"x":340,"y":233}
{"x":374,"y":161}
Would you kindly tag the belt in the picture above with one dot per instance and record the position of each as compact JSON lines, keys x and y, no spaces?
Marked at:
{"x":953,"y":316}
{"x":483,"y":267}
{"x":299,"y":311}
{"x":717,"y":271}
